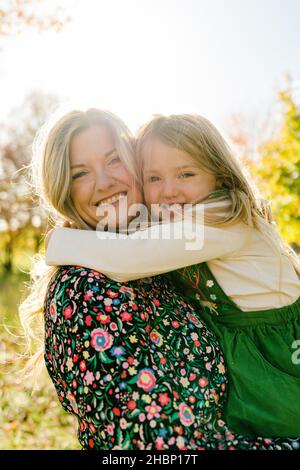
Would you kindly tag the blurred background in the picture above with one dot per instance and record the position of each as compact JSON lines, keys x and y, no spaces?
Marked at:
{"x":235,"y":62}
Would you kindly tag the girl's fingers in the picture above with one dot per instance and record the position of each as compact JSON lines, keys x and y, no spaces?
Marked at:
{"x":67,"y":224}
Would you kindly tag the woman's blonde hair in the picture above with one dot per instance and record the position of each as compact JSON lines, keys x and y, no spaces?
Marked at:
{"x":51,"y":179}
{"x":236,"y":194}
{"x":51,"y":148}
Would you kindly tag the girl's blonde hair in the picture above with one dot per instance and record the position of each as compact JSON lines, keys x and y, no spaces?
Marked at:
{"x":51,"y":178}
{"x":236,"y":194}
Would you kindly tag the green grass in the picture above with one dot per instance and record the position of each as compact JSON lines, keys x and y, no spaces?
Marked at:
{"x":26,"y":421}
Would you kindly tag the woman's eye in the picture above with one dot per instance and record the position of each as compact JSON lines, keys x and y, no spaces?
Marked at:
{"x":186,"y":175}
{"x":114,"y":160}
{"x":78,"y":175}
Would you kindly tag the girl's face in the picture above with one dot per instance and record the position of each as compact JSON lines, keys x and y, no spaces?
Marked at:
{"x":171,"y":176}
{"x":99,"y":177}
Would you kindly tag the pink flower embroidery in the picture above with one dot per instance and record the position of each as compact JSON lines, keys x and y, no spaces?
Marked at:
{"x":68,"y":312}
{"x":101,"y":339}
{"x":163,"y":399}
{"x":156,"y":337}
{"x":146,"y":380}
{"x":186,"y":415}
{"x":153,"y":410}
{"x":89,"y":377}
{"x":203,"y":382}
{"x":53,"y":311}
{"x":128,"y":291}
{"x":126,"y":316}
{"x":159,"y":445}
{"x":88,"y":295}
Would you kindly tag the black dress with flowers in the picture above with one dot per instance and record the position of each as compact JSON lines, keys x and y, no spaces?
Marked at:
{"x":137,"y":367}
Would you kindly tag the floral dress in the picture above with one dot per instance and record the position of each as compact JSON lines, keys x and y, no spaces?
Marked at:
{"x":136,"y":366}
{"x":259,"y":349}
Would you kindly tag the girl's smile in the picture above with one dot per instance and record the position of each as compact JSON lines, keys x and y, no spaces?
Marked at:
{"x":171,"y":176}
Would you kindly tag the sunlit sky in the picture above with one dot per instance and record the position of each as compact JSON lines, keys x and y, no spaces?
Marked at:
{"x":139,"y":57}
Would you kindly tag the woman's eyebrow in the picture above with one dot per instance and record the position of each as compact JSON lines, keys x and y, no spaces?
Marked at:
{"x":107,"y":154}
{"x":77,"y":166}
{"x":110,"y":152}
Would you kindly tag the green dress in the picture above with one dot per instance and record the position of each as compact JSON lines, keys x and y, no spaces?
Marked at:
{"x":262,"y":352}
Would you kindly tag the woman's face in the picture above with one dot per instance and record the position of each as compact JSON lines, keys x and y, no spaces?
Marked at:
{"x":100,"y":179}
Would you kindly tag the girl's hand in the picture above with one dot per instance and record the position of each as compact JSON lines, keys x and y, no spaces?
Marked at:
{"x":69,"y":224}
{"x":66,"y":224}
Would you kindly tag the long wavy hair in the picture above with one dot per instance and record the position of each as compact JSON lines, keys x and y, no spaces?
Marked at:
{"x":51,"y":180}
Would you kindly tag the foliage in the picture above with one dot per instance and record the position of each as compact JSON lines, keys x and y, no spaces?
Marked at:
{"x":20,"y":214}
{"x":270,"y":153}
{"x":26,"y":421}
{"x":16,"y":15}
{"x":279,"y":170}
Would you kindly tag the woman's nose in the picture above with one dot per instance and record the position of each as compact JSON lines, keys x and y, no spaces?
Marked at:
{"x":103,"y":180}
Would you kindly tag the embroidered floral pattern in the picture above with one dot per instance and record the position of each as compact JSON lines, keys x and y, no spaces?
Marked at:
{"x":136,"y":365}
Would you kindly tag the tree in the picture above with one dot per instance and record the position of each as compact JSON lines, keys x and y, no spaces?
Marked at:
{"x":16,"y":15}
{"x":21,"y":218}
{"x":270,"y":151}
{"x":279,"y":169}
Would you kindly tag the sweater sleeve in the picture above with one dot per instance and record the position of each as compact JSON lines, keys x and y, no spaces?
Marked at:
{"x":156,"y":250}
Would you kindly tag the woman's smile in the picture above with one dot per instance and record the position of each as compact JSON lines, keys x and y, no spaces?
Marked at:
{"x":103,"y":187}
{"x":112,"y":199}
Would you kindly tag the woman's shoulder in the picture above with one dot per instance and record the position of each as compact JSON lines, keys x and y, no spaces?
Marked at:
{"x":70,"y":272}
{"x":75,"y":277}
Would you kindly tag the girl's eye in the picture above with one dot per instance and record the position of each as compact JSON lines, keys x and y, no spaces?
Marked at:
{"x":186,"y":175}
{"x":78,"y":175}
{"x":153,"y":179}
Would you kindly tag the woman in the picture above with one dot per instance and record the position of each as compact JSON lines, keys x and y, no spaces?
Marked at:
{"x":132,"y":361}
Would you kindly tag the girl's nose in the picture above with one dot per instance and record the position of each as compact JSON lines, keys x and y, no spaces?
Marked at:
{"x":170,"y":190}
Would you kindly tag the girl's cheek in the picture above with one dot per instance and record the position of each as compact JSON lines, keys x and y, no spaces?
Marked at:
{"x":150,"y":195}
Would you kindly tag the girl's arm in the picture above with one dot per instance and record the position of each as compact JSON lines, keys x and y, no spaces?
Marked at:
{"x":158,"y":249}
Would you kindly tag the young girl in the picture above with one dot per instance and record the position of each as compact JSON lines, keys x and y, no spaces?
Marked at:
{"x":243,"y":276}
